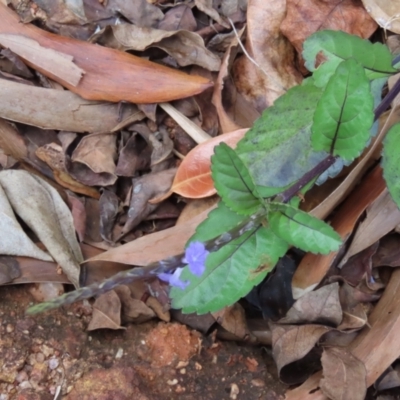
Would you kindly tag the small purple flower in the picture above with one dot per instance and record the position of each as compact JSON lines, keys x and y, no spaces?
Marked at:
{"x":174,"y":279}
{"x":195,"y":256}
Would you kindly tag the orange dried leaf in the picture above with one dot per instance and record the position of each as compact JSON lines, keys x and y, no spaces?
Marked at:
{"x":109,"y":74}
{"x":193,"y":178}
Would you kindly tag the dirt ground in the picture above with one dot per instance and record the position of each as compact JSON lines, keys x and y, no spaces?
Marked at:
{"x":53,"y":353}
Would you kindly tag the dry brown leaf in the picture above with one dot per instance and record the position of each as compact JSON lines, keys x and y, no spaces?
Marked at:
{"x":187,"y":48}
{"x":344,"y":375}
{"x":313,"y":267}
{"x":144,"y":188}
{"x":388,"y":253}
{"x":41,"y":207}
{"x":133,"y":310}
{"x":78,"y":212}
{"x":53,"y":155}
{"x":233,"y":319}
{"x":110,"y":75}
{"x":382,"y":217}
{"x":60,"y":109}
{"x":97,"y":152}
{"x":291,"y":342}
{"x":147,"y":249}
{"x":51,"y":61}
{"x":179,"y":17}
{"x":106,"y":312}
{"x":320,"y":306}
{"x":381,"y":337}
{"x":11,"y":142}
{"x":207,"y":7}
{"x":109,"y":207}
{"x":304,"y":17}
{"x":385,"y":13}
{"x":275,"y":72}
{"x":14,"y":240}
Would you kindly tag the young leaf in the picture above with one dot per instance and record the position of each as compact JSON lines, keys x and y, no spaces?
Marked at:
{"x":302,"y":230}
{"x":344,"y":114}
{"x":391,"y":164}
{"x":231,"y":272}
{"x":277,"y":149}
{"x":337,"y":46}
{"x":233,"y":181}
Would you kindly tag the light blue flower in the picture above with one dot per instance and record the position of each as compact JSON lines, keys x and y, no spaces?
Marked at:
{"x":195,"y":256}
{"x":174,"y":279}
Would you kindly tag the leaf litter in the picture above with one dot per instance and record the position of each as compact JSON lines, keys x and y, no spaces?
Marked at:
{"x":121,"y":157}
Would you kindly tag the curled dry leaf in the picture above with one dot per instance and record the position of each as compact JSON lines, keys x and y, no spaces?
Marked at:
{"x":49,"y":60}
{"x":320,"y":306}
{"x":185,"y":47}
{"x":60,"y":109}
{"x":145,"y":188}
{"x":291,"y":343}
{"x":233,"y":319}
{"x":262,"y":84}
{"x":193,"y":178}
{"x":96,"y":154}
{"x":106,"y":312}
{"x":385,"y":13}
{"x":14,"y":240}
{"x":146,"y":249}
{"x":110,"y":75}
{"x":344,"y":375}
{"x":304,"y":17}
{"x":41,"y":207}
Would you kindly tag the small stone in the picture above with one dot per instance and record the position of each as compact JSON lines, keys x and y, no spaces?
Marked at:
{"x":53,"y":363}
{"x":258,"y":382}
{"x":172,"y":382}
{"x":198,"y":366}
{"x":182,"y":371}
{"x":9,"y":328}
{"x":119,"y":354}
{"x":40,"y":357}
{"x":234,"y":391}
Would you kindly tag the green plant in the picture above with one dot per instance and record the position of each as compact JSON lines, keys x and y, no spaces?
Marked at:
{"x":307,"y":136}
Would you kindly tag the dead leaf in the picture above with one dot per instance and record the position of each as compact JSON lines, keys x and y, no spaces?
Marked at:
{"x":50,"y":61}
{"x":9,"y":269}
{"x":109,"y":207}
{"x":162,"y":149}
{"x":193,"y":178}
{"x":106,"y":312}
{"x":60,"y":109}
{"x":145,"y":188}
{"x":161,"y":311}
{"x":179,"y":17}
{"x":146,"y":250}
{"x":233,"y":112}
{"x":291,"y":343}
{"x":304,"y":17}
{"x":133,"y":310}
{"x":14,"y":240}
{"x":382,"y":217}
{"x":45,"y":291}
{"x":40,"y":206}
{"x":11,"y":142}
{"x":388,"y":253}
{"x":344,"y":375}
{"x":274,"y":73}
{"x":233,"y":319}
{"x":78,"y":212}
{"x":320,"y":306}
{"x":110,"y":75}
{"x":139,"y":12}
{"x":207,"y":7}
{"x":389,"y":380}
{"x":187,"y":48}
{"x":385,"y":13}
{"x":53,"y":155}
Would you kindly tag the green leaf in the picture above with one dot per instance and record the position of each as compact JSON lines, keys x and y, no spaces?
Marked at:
{"x":390,"y":162}
{"x":233,"y":181}
{"x":231,"y":272}
{"x":277,"y":149}
{"x":344,"y":114}
{"x":302,"y":230}
{"x":219,"y":221}
{"x":337,"y":46}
